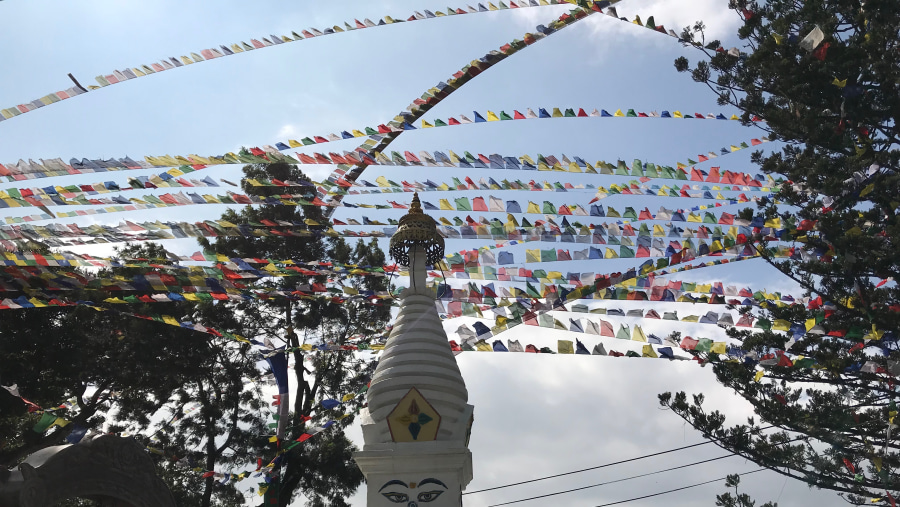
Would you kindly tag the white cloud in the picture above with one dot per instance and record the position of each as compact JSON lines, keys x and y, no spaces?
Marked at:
{"x":287,"y":131}
{"x":721,"y":22}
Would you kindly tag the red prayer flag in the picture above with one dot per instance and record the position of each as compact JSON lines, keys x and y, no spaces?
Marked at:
{"x":849,"y":465}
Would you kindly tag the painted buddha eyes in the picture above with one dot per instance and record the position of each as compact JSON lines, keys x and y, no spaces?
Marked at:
{"x":424,"y":497}
{"x":421,"y":497}
{"x":429,"y":496}
{"x":398,"y":497}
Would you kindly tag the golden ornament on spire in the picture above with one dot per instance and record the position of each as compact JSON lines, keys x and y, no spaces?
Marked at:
{"x":417,"y":229}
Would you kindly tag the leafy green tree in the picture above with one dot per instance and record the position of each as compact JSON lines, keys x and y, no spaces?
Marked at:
{"x":120,"y":372}
{"x":321,"y":468}
{"x":822,"y":74}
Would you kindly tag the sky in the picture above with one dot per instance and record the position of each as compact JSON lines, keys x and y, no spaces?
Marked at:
{"x":535,"y":415}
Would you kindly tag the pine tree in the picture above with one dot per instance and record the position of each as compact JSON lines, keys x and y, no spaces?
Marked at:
{"x":822,"y":75}
{"x":321,"y":468}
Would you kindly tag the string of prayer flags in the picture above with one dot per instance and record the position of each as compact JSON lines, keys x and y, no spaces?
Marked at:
{"x":272,"y":40}
{"x":649,"y":242}
{"x":181,"y":165}
{"x":436,"y":94}
{"x":39,"y":197}
{"x":228,"y":50}
{"x":337,"y":183}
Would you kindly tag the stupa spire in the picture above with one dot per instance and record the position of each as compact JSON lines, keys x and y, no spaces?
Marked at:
{"x":417,"y":420}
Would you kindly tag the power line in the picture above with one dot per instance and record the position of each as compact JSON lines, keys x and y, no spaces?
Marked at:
{"x":674,"y":490}
{"x":590,"y":468}
{"x":709,"y":441}
{"x":632,"y":477}
{"x":615,"y":481}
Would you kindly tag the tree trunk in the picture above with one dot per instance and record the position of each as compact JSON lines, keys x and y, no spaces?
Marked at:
{"x":210,"y":447}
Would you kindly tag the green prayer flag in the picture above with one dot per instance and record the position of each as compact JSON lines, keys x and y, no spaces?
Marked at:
{"x":46,"y":420}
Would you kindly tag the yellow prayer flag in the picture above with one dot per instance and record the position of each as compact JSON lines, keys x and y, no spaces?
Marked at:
{"x":565,"y":347}
{"x":347,"y":397}
{"x":619,"y":113}
{"x":759,"y":375}
{"x":483,"y":346}
{"x":875,"y":334}
{"x":444,"y":204}
{"x":647,"y":351}
{"x":60,"y":422}
{"x":491,"y":116}
{"x":677,"y":114}
{"x":426,"y":125}
{"x":781,"y":325}
{"x":637,"y":334}
{"x":718,"y":348}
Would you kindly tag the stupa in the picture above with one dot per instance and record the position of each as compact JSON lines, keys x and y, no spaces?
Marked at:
{"x":417,"y":422}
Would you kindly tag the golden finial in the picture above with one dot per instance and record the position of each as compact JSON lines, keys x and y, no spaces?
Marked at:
{"x":417,"y":229}
{"x":415,"y":206}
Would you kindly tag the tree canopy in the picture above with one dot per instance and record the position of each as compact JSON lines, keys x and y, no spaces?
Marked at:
{"x":823,"y":76}
{"x":321,"y":469}
{"x":198,"y":401}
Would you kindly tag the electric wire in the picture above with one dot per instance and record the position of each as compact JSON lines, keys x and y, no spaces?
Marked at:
{"x":632,"y":477}
{"x":636,"y":458}
{"x":613,"y":481}
{"x":676,"y":489}
{"x":591,"y":468}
